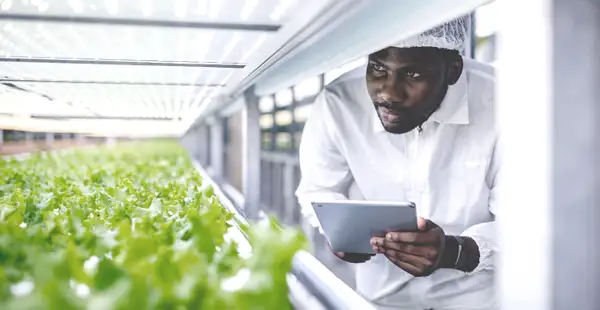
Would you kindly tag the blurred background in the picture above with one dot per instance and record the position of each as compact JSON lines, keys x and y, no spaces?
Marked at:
{"x":77,"y":72}
{"x":234,"y":81}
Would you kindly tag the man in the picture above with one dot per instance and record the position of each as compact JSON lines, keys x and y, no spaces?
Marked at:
{"x":417,"y":124}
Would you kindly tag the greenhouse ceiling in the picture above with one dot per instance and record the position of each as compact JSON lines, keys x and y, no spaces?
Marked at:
{"x":107,"y":63}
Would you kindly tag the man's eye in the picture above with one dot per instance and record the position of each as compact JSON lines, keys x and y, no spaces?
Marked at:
{"x":413,"y":75}
{"x":378,"y":68}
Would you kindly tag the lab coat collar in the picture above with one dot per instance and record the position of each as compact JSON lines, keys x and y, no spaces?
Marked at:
{"x":453,"y":110}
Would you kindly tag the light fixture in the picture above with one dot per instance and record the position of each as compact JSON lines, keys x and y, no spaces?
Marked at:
{"x":248,"y":9}
{"x":43,"y":7}
{"x":261,"y":39}
{"x":229,"y":47}
{"x":181,"y":7}
{"x":76,"y":5}
{"x":281,"y":9}
{"x":203,"y":41}
{"x":6,"y":5}
{"x":8,"y":27}
{"x":146,"y":7}
{"x":112,"y":6}
{"x":202,"y":7}
{"x":214,"y":8}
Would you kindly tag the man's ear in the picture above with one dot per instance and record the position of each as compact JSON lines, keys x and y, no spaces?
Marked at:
{"x":455,"y":68}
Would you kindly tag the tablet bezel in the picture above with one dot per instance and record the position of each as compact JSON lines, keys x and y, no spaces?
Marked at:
{"x":346,"y":222}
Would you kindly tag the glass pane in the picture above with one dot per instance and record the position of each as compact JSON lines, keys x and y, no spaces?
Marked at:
{"x":267,"y":140}
{"x":302,"y":113}
{"x":266,"y":121}
{"x":284,"y":98}
{"x":266,"y":104}
{"x":283,"y":118}
{"x":284,"y":141}
{"x":307,"y":88}
{"x":298,"y":138}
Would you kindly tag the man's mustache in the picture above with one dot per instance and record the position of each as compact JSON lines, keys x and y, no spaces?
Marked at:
{"x":392,"y":106}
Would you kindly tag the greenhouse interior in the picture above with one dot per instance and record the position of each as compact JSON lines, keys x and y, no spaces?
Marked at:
{"x":150,"y":151}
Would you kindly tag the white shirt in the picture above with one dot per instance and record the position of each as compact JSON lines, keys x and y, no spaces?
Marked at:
{"x":449,"y":170}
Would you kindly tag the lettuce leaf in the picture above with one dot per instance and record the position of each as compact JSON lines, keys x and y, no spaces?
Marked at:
{"x":130,"y":227}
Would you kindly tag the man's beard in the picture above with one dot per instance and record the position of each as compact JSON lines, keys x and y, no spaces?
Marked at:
{"x":413,"y":118}
{"x":410,"y":122}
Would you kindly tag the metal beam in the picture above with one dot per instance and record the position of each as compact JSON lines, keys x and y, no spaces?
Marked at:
{"x":81,"y":117}
{"x":251,"y":149}
{"x":16,"y":80}
{"x":122,"y":62}
{"x":548,"y":222}
{"x":216,"y":149}
{"x":49,"y":138}
{"x":139,"y":22}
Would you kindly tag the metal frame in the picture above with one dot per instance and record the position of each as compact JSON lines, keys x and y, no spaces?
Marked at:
{"x":294,"y":127}
{"x":122,"y":62}
{"x":549,"y":221}
{"x":321,"y":283}
{"x":167,"y":23}
{"x":80,"y":117}
{"x":251,"y":136}
{"x":331,"y":41}
{"x":139,"y":22}
{"x":216,"y":149}
{"x":16,"y":80}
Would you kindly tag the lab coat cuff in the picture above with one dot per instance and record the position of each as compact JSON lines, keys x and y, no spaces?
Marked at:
{"x":486,"y":251}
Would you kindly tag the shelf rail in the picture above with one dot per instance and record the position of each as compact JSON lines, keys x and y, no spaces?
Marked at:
{"x":331,"y":292}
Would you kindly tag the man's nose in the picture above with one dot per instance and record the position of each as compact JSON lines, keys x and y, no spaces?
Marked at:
{"x":390,"y":95}
{"x":392,"y":91}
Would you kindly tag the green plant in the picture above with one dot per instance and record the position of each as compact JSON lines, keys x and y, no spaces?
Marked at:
{"x":130,"y":227}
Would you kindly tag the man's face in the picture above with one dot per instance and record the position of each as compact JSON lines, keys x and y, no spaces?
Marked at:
{"x":407,"y":85}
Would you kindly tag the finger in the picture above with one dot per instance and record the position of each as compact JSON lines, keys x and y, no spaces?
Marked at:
{"x":421,"y":223}
{"x":377,"y":244}
{"x":413,"y":270}
{"x":422,"y":263}
{"x":338,"y":254}
{"x":428,"y":252}
{"x":428,"y":237}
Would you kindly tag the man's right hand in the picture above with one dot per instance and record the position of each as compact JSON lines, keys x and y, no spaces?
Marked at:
{"x":353,"y":257}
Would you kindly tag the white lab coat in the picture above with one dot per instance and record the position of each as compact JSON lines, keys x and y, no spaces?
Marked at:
{"x":449,"y":170}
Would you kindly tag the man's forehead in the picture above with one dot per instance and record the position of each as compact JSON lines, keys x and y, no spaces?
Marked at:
{"x":402,"y":55}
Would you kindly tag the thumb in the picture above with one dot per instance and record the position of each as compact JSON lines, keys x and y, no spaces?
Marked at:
{"x":421,"y":223}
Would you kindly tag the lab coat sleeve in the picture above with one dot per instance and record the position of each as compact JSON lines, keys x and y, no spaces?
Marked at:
{"x":325,"y":173}
{"x":484,"y":234}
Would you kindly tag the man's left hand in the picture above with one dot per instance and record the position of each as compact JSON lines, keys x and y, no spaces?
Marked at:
{"x":418,"y":253}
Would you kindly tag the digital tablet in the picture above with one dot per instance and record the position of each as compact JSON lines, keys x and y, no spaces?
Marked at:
{"x":349,"y":225}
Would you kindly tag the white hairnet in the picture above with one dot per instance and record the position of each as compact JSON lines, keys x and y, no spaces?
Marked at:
{"x":451,"y":35}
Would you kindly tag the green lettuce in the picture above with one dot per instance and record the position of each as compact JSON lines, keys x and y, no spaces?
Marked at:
{"x":131,"y":227}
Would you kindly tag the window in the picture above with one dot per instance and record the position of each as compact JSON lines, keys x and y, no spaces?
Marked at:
{"x":486,"y":29}
{"x":267,"y":140}
{"x":283,"y":118}
{"x":283,"y":141}
{"x":284,"y":98}
{"x":266,"y":121}
{"x":302,"y":113}
{"x":283,"y":115}
{"x":266,"y":104}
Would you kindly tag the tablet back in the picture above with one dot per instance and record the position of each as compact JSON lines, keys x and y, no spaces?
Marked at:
{"x":349,"y":225}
